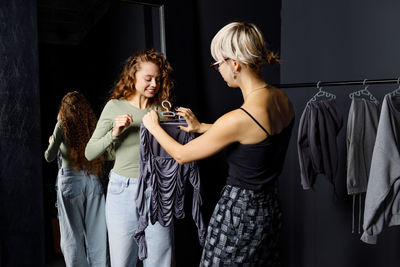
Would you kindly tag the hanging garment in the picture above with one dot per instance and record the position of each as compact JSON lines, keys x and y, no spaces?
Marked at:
{"x":362,"y":124}
{"x":382,"y":200}
{"x":167,"y":179}
{"x":319,"y":126}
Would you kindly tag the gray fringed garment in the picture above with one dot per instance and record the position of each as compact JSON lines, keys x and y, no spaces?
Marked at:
{"x":167,"y":179}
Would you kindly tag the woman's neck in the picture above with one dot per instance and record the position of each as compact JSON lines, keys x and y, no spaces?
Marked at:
{"x":251,"y":83}
{"x":139,"y":101}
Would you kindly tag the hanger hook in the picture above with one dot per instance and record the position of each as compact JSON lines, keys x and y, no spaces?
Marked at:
{"x":164,"y":103}
{"x":320,"y":82}
{"x":167,"y":112}
{"x":365,"y":81}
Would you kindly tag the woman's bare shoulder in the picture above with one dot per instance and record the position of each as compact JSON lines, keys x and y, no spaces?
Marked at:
{"x":233,"y":118}
{"x":234,"y":122}
{"x":278,"y":99}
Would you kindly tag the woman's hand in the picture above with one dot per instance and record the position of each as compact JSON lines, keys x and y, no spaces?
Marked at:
{"x":151,"y":120}
{"x":50,"y":138}
{"x":194,"y":125}
{"x":120,"y":123}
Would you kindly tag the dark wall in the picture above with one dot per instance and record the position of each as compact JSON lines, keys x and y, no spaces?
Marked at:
{"x":21,"y":194}
{"x":333,"y":41}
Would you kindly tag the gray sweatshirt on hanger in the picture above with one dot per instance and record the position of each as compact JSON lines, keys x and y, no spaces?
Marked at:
{"x":382,"y":202}
{"x":362,"y":125}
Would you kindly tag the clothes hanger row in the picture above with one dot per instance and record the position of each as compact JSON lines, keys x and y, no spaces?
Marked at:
{"x":336,"y":83}
{"x":360,"y":93}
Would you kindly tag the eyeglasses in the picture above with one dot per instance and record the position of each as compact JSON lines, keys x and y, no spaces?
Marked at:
{"x":215,"y":65}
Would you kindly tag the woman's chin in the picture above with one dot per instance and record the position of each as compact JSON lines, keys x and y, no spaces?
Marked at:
{"x":150,"y":94}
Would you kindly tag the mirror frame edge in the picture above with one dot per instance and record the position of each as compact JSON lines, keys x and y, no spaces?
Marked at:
{"x":161,"y":9}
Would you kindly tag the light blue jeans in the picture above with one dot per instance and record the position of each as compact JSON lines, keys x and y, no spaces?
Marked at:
{"x":122,"y":221}
{"x":81,"y":208}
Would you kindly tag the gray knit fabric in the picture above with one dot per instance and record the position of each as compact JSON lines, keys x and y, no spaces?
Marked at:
{"x":361,"y":133}
{"x":382,"y":206}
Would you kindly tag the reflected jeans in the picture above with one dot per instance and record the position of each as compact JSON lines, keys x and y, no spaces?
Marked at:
{"x":122,"y":221}
{"x":81,"y":212}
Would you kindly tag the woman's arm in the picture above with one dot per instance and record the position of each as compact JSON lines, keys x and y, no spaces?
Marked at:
{"x":194,"y":126}
{"x":101,"y":139}
{"x":222,"y":133}
{"x":102,"y":136}
{"x":54,"y":143}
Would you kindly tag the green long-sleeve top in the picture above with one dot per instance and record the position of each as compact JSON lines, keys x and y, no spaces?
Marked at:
{"x":56,"y":143}
{"x":126,"y":145}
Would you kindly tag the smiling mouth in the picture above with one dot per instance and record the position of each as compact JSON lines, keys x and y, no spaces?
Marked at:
{"x":151,"y":91}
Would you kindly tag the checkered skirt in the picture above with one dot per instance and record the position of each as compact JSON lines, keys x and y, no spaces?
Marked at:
{"x":244,"y":229}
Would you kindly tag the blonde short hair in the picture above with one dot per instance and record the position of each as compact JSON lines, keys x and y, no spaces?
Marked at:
{"x":242,"y":42}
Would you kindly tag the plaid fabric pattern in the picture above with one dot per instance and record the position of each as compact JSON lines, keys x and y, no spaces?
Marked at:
{"x":244,"y":229}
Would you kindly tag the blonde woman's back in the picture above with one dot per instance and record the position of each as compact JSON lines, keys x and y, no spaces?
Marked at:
{"x":272,"y":109}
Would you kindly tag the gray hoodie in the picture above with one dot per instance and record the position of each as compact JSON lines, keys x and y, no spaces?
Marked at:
{"x":362,"y":125}
{"x":382,"y":202}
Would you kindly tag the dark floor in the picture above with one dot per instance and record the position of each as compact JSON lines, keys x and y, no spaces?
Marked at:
{"x":59,"y":262}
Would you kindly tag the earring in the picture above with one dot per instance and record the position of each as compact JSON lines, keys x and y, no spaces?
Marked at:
{"x":234,"y":74}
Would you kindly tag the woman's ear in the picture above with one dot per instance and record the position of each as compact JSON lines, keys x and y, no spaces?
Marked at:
{"x":236,"y":66}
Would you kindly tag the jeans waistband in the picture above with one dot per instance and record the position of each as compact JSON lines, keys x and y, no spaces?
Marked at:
{"x":122,"y":179}
{"x":69,"y":170}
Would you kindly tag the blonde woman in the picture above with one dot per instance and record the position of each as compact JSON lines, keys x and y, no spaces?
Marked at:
{"x":80,"y":197}
{"x":245,"y":225}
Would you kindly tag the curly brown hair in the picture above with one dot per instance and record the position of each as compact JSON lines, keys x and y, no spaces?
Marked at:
{"x":125,"y":86}
{"x":78,"y":122}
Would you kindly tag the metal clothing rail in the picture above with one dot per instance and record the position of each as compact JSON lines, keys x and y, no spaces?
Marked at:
{"x":338,"y":83}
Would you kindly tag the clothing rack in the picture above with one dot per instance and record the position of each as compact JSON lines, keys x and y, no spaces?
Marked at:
{"x":338,"y":83}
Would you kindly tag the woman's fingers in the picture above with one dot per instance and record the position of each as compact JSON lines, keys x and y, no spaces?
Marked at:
{"x":186,"y":113}
{"x":125,"y":119}
{"x":154,"y":115}
{"x":183,"y":128}
{"x":150,"y":120}
{"x":121,"y":122}
{"x":184,"y":110}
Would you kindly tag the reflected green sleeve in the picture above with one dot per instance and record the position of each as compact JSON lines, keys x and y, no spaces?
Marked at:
{"x":51,"y":153}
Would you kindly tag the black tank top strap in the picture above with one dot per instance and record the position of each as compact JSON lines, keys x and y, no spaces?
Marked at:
{"x":265,"y":130}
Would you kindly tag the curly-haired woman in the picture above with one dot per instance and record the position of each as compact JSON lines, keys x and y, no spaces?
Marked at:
{"x":144,"y":83}
{"x":80,"y":196}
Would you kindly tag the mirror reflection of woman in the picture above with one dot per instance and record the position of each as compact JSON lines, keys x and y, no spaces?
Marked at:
{"x":244,"y":228}
{"x":80,"y":197}
{"x":143,"y":84}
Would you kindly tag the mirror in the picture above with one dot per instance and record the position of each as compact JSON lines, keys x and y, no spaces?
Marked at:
{"x":83,"y":45}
